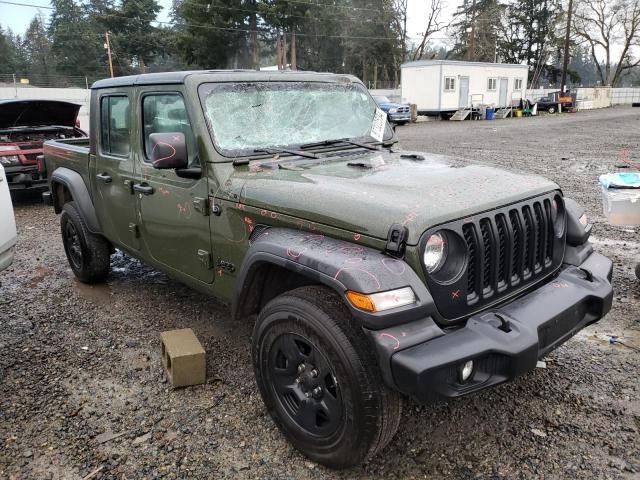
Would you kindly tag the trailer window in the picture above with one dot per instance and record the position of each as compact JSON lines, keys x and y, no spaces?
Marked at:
{"x":492,"y":83}
{"x":449,"y":84}
{"x":518,"y":85}
{"x":114,"y":128}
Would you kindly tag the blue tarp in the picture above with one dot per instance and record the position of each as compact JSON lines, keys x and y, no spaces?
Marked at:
{"x":620,"y":180}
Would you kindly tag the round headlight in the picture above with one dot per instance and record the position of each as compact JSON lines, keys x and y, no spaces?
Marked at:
{"x":435,"y":253}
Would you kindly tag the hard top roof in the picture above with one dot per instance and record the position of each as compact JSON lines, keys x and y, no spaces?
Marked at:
{"x":180,"y":77}
{"x":426,"y":63}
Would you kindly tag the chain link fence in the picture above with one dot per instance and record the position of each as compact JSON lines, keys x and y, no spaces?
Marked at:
{"x":18,"y":80}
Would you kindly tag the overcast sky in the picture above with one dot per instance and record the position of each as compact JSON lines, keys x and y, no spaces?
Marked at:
{"x":17,"y":18}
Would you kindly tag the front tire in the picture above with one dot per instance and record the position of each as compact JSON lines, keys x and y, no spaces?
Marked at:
{"x":552,"y":110}
{"x":319,"y":379}
{"x":88,"y":254}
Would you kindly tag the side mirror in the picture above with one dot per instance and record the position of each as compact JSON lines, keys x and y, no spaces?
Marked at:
{"x":168,"y":150}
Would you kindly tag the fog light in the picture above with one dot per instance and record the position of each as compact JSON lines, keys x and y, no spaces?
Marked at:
{"x":466,"y":370}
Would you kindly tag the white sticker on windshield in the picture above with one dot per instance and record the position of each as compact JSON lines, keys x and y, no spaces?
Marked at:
{"x":378,"y":125}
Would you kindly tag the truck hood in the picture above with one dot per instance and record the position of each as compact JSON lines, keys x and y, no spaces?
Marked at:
{"x":32,"y":113}
{"x":366,"y":193}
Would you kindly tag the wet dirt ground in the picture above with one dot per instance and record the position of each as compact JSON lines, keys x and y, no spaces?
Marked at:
{"x":83,"y":394}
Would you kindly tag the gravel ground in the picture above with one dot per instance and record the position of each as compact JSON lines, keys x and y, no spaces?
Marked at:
{"x":82,"y":391}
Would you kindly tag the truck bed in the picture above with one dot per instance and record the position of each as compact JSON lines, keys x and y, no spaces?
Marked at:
{"x":72,"y":153}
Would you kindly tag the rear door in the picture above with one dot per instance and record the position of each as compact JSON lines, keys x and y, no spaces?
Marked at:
{"x":174,"y":210}
{"x":114,"y":170}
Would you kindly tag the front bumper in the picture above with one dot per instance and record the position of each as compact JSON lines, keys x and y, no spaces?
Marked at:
{"x":423,"y":361}
{"x":399,"y":117}
{"x":25,"y":177}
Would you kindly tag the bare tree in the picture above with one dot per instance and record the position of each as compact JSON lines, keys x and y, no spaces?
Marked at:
{"x":400,"y":25}
{"x":434,"y":24}
{"x":605,"y":25}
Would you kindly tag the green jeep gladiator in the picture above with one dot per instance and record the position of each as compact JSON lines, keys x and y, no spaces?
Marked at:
{"x":371,"y":273}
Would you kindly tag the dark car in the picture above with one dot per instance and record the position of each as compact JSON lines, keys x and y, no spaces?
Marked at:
{"x":396,"y":112}
{"x":551,"y":102}
{"x":24,"y":126}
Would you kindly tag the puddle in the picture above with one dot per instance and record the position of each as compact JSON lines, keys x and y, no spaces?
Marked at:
{"x":40,"y":274}
{"x":99,"y":294}
{"x":627,"y":341}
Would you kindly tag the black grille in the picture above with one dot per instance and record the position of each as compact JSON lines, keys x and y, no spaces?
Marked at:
{"x":519,"y":241}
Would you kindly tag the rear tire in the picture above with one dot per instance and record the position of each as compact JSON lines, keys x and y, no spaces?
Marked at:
{"x":319,"y":379}
{"x":552,"y":110}
{"x":88,"y":254}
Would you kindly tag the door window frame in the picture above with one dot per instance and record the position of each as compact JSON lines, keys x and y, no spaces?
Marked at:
{"x":190,"y":148}
{"x":103,"y":152}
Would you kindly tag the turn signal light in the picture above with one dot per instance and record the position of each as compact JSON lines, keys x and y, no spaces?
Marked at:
{"x":378,"y":302}
{"x":360,"y":301}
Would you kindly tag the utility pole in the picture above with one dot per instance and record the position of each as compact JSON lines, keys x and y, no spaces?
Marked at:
{"x":107,"y":45}
{"x":565,"y":61}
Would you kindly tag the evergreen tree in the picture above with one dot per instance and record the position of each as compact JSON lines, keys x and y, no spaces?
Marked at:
{"x":37,"y":48}
{"x":76,"y":46}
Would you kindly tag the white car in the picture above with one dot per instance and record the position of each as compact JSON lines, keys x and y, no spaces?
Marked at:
{"x":8,"y":235}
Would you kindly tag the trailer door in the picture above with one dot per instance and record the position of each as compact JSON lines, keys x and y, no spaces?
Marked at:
{"x":504,"y":84}
{"x":464,"y":92}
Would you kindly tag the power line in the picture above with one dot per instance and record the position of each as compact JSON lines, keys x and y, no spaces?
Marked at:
{"x":211,"y":27}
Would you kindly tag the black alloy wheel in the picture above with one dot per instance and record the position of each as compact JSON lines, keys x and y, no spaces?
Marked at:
{"x":305,"y":384}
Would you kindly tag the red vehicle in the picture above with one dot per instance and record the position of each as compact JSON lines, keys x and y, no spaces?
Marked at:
{"x":24,"y":126}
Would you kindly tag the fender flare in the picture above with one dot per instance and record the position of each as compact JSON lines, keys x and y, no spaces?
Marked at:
{"x":339,"y":265}
{"x":76,"y":185}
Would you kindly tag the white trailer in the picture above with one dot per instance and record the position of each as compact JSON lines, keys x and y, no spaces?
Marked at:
{"x":441,"y":87}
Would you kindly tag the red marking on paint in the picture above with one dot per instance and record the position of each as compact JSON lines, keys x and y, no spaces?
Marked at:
{"x":220,"y":272}
{"x":388,"y":335}
{"x":273,"y":215}
{"x":295,"y":253}
{"x":249,"y":223}
{"x":351,"y":250}
{"x":263,"y":213}
{"x":240,"y":206}
{"x":404,"y":334}
{"x":173,"y":152}
{"x":411,"y":217}
{"x":353,"y":260}
{"x":394,"y":266}
{"x":356,"y":236}
{"x":560,"y":285}
{"x":375,"y":279}
{"x":164,"y":192}
{"x":455,"y":294}
{"x":182,"y":209}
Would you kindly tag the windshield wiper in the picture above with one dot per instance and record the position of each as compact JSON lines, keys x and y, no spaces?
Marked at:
{"x":275,"y":151}
{"x":369,"y":146}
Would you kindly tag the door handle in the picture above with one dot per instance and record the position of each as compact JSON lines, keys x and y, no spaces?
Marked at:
{"x":143,"y":188}
{"x":105,"y":178}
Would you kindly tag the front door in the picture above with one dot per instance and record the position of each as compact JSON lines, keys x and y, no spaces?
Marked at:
{"x":173,"y":210}
{"x":114,"y":171}
{"x":504,"y":84}
{"x":464,"y":92}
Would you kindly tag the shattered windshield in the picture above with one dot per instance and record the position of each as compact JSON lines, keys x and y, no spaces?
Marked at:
{"x":247,"y":116}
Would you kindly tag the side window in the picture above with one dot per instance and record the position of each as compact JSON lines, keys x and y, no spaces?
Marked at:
{"x":449,"y":84}
{"x":114,"y":128}
{"x":165,"y":113}
{"x":492,"y":83}
{"x":518,"y":85}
